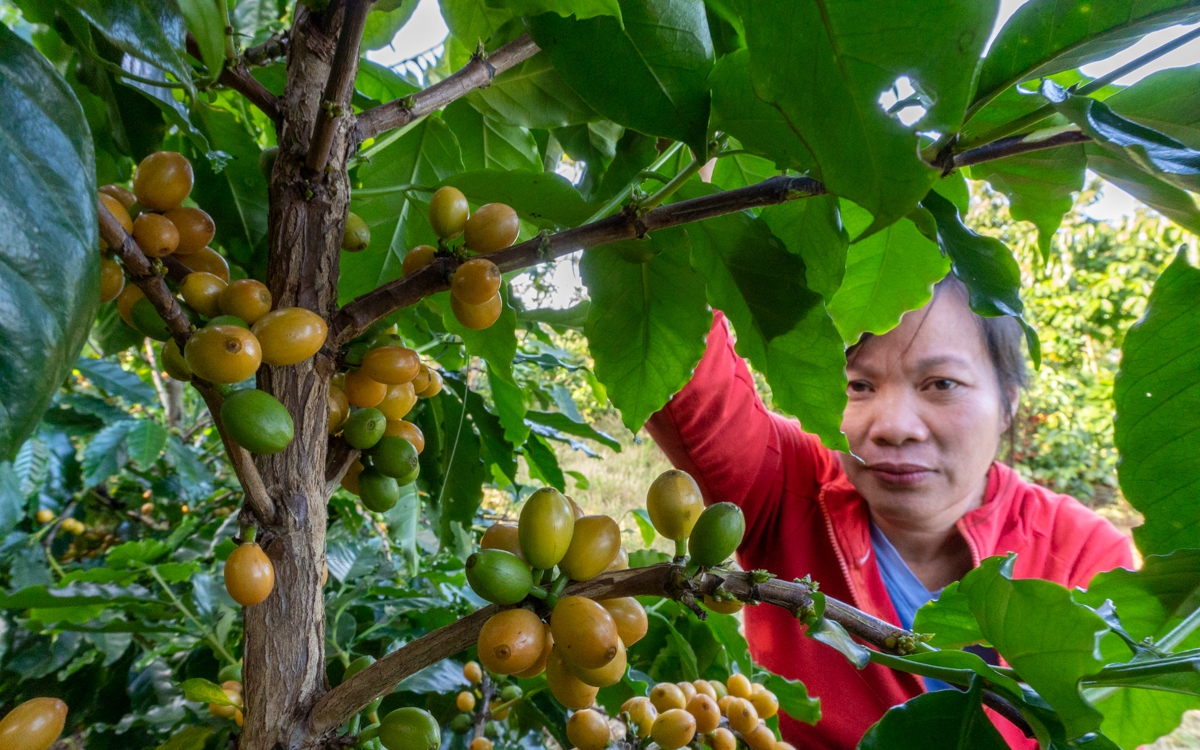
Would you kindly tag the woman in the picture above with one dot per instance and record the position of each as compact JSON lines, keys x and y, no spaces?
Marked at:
{"x":919,"y":503}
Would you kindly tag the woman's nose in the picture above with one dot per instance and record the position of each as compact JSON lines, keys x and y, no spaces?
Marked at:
{"x":895,"y":419}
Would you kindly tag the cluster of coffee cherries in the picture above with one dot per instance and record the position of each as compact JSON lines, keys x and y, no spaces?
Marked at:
{"x":582,"y":647}
{"x":367,"y":407}
{"x":237,"y":327}
{"x":676,"y":714}
{"x":231,"y":685}
{"x":468,"y":704}
{"x":475,"y":287}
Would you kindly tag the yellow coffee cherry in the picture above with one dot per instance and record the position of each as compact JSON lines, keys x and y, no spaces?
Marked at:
{"x":673,"y":729}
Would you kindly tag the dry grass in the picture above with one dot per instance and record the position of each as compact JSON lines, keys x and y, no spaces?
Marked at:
{"x":617,"y":484}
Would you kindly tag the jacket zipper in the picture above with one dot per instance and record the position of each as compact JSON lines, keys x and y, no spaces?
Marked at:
{"x":837,"y":550}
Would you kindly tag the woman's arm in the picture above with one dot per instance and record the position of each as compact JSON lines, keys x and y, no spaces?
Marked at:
{"x":718,"y":430}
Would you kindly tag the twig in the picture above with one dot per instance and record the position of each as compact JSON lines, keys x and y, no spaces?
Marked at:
{"x":147,"y":279}
{"x":1046,"y":110}
{"x":236,"y":76}
{"x":355,"y":317}
{"x":487,"y":691}
{"x":1017,"y":144}
{"x":156,"y":378}
{"x":337,"y":706}
{"x":339,"y":457}
{"x":273,"y":49}
{"x":478,"y":73}
{"x":335,"y":102}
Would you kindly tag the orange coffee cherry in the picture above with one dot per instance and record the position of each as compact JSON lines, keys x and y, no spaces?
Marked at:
{"x":492,"y":227}
{"x":202,"y":290}
{"x":476,"y":281}
{"x":247,"y":299}
{"x":156,"y":235}
{"x":112,"y":279}
{"x":117,"y":209}
{"x":210,"y":261}
{"x":406,"y":430}
{"x":398,"y":402}
{"x":122,"y":194}
{"x":362,"y":391}
{"x":125,"y":301}
{"x":435,"y":385}
{"x":196,"y":229}
{"x":416,"y":259}
{"x":477,"y":317}
{"x":391,"y":364}
{"x":163,"y":180}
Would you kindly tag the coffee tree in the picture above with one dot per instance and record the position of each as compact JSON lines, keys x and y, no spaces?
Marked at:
{"x":325,"y":249}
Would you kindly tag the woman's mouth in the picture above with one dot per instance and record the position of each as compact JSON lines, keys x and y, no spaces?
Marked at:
{"x":900,"y":474}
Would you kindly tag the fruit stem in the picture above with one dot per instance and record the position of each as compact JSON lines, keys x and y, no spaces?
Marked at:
{"x":559,"y":584}
{"x":537,"y":592}
{"x":624,"y":192}
{"x":369,"y":733}
{"x":536,"y":575}
{"x":248,"y":534}
{"x":666,"y":191}
{"x":681,"y":548}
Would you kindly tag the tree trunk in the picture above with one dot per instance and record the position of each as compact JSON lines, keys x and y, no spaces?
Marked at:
{"x":285,"y":635}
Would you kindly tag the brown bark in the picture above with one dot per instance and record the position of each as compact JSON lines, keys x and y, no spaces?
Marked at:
{"x":284,"y":651}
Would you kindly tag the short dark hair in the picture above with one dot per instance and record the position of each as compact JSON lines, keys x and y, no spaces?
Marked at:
{"x":1002,"y":336}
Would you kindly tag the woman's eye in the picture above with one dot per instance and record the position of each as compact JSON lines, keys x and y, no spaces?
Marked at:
{"x":944,"y":384}
{"x":858,"y":386}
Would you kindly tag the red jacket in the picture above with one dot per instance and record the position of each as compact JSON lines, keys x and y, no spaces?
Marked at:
{"x":803,"y":517}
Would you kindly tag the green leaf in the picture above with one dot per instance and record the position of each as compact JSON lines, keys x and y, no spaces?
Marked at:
{"x":1167,"y":101}
{"x":532,"y":95}
{"x":1156,"y":153}
{"x":460,"y":489}
{"x":130,"y":554}
{"x":444,"y":676}
{"x":985,"y":265}
{"x":381,"y":84}
{"x":146,"y":442}
{"x":254,"y":20}
{"x":887,"y":274}
{"x":581,"y":9}
{"x":204,"y":23}
{"x":74,"y":595}
{"x":645,"y":526}
{"x":571,"y":317}
{"x":650,"y":75}
{"x":741,"y":170}
{"x":382,"y":24}
{"x":150,"y":31}
{"x":563,"y":423}
{"x":543,"y":464}
{"x":403,"y":522}
{"x":473,"y":22}
{"x":544,"y":199}
{"x":1156,"y":393}
{"x":949,"y":619}
{"x":114,"y":380}
{"x":426,"y":154}
{"x":1048,"y":36}
{"x":828,"y":88}
{"x":203,"y":691}
{"x":50,"y":267}
{"x":683,"y":649}
{"x":104,"y":456}
{"x":794,"y":699}
{"x":489,"y":144}
{"x":12,"y":500}
{"x":812,"y":228}
{"x":942,"y":720}
{"x":235,"y":195}
{"x":1133,"y":718}
{"x":188,"y":738}
{"x":757,"y":125}
{"x":1177,"y":205}
{"x":1148,"y":601}
{"x":647,"y":324}
{"x":496,"y":344}
{"x":1015,"y":616}
{"x":782,"y":326}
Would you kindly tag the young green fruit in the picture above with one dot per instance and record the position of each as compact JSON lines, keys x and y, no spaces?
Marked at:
{"x":378,"y":491}
{"x":257,"y":421}
{"x":410,"y":728}
{"x":357,"y":235}
{"x":545,"y":528}
{"x":354,"y":668}
{"x":397,"y":458}
{"x":364,"y":428}
{"x":717,"y":534}
{"x":498,"y":576}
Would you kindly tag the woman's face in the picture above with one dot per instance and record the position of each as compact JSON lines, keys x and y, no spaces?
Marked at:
{"x":924,"y":416}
